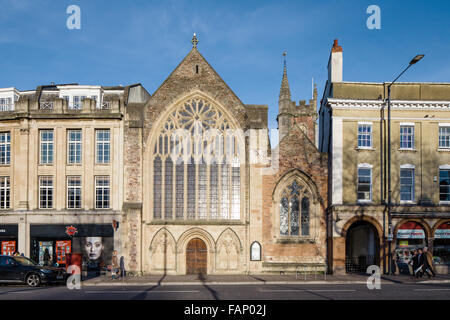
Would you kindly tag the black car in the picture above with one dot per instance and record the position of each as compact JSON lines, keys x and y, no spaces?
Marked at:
{"x":19,"y":269}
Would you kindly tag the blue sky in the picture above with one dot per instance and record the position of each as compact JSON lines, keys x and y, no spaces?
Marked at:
{"x":124,"y":42}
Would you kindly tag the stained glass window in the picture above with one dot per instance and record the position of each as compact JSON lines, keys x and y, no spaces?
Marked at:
{"x":293,"y":216}
{"x":213,"y":185}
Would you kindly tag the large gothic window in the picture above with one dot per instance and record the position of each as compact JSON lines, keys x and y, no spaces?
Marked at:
{"x":294,"y":210}
{"x":196,"y":165}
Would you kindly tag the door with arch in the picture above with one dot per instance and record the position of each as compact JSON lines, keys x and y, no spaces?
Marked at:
{"x":362,"y":247}
{"x":196,"y":257}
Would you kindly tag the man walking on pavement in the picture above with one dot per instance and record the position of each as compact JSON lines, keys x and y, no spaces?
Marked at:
{"x":427,"y":262}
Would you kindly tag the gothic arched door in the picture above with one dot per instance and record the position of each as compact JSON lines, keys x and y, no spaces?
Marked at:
{"x":196,"y":257}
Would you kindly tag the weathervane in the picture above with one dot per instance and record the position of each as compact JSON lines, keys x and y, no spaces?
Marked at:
{"x":194,"y":41}
{"x":284,"y":55}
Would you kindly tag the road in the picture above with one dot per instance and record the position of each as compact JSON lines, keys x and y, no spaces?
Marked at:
{"x":231,"y":292}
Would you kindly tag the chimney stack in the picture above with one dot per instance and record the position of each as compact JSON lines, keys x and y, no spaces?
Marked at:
{"x":335,"y":63}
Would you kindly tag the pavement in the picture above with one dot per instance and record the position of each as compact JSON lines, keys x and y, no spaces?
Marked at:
{"x":265,"y":279}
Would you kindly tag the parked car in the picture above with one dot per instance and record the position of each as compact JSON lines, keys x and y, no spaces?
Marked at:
{"x":19,"y":269}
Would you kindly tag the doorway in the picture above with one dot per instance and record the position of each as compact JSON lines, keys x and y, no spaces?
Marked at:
{"x":361,"y":247}
{"x":196,"y":257}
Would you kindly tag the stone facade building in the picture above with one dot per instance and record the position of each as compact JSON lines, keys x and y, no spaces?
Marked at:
{"x":181,"y":181}
{"x":353,"y":131}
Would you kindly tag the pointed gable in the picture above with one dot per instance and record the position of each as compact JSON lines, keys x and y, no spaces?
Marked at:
{"x":194,"y":73}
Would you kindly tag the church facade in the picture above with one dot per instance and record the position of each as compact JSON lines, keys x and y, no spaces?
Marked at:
{"x":204,"y":192}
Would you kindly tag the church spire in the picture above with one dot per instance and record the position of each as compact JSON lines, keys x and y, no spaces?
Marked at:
{"x":285,"y":92}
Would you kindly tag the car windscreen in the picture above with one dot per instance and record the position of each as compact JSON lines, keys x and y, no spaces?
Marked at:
{"x":25,"y":261}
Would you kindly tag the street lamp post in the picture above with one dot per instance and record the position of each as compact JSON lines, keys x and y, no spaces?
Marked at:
{"x":390,"y":236}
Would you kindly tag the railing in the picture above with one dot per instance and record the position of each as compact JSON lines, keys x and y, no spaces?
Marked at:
{"x":6,"y":107}
{"x":359,"y":264}
{"x":104,"y":105}
{"x":75,"y":106}
{"x":46,"y":105}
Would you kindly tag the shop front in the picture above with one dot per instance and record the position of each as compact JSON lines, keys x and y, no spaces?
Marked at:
{"x":50,"y":244}
{"x":410,"y":236}
{"x":8,"y":239}
{"x":441,"y":248}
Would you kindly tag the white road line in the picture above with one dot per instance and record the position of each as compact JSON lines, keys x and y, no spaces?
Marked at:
{"x":305,"y":290}
{"x":431,"y":289}
{"x":19,"y":292}
{"x":157,"y":291}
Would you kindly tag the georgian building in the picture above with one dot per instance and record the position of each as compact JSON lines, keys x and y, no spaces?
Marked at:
{"x":353,"y":131}
{"x":180,"y":181}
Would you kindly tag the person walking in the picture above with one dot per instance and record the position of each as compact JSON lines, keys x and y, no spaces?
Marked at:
{"x":414,"y":263}
{"x":114,"y":265}
{"x":394,"y":265}
{"x":428,"y":263}
{"x":419,"y":270}
{"x":46,"y":258}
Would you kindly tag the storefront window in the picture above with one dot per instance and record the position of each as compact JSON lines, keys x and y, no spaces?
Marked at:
{"x":441,"y":244}
{"x":410,"y":236}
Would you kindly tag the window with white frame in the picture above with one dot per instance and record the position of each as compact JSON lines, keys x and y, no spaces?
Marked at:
{"x":46,"y":146}
{"x":74,"y":192}
{"x":407,"y":184}
{"x":364,"y":135}
{"x":444,"y":185}
{"x":6,"y":104}
{"x":77,"y":102}
{"x":4,"y":193}
{"x":364,"y":189}
{"x":102,"y":192}
{"x":406,"y":137}
{"x":45,"y":192}
{"x":74,"y":146}
{"x":103,"y":142}
{"x":444,"y":137}
{"x":5,"y":148}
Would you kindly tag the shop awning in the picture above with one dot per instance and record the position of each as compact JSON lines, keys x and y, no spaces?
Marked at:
{"x":410,"y":230}
{"x":443,"y":231}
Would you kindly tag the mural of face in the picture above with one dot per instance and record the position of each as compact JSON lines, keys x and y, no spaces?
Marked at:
{"x":93,"y":247}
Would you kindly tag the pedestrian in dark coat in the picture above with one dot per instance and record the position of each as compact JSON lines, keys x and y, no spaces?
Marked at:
{"x":428,"y":263}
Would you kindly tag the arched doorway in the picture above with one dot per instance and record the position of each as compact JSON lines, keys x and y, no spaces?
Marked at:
{"x":362,"y":247}
{"x":196,"y":257}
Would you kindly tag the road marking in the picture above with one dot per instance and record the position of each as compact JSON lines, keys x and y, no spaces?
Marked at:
{"x":306,"y":290}
{"x":19,"y":292}
{"x":143,"y":291}
{"x":431,"y":289}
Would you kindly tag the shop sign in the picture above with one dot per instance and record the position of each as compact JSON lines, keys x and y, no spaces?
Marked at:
{"x":403,"y":243}
{"x":71,"y":231}
{"x":443,"y":231}
{"x":410,"y":230}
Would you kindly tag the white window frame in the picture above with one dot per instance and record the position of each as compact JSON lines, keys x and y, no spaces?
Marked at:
{"x":79,"y":187}
{"x":446,"y":126}
{"x":412,"y":135}
{"x":6,"y":158}
{"x":445,"y":167}
{"x":48,"y":143}
{"x":47,"y":188}
{"x":74,"y":143}
{"x":412,"y":168}
{"x":103,"y":188}
{"x":370,"y":135}
{"x":364,"y":166}
{"x":5,"y":190}
{"x":103,"y":143}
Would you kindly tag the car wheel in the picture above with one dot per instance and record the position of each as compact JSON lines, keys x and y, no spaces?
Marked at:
{"x":33,"y":280}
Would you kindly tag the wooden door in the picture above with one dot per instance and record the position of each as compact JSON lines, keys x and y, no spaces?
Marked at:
{"x":196,"y":257}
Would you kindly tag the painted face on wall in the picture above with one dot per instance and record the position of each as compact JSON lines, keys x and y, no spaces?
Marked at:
{"x":93,"y":247}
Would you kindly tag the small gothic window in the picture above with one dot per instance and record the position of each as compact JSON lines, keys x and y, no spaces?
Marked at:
{"x":294,"y":215}
{"x":196,"y":69}
{"x":255,"y":251}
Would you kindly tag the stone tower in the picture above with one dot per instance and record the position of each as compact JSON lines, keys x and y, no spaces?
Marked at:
{"x":305,"y":115}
